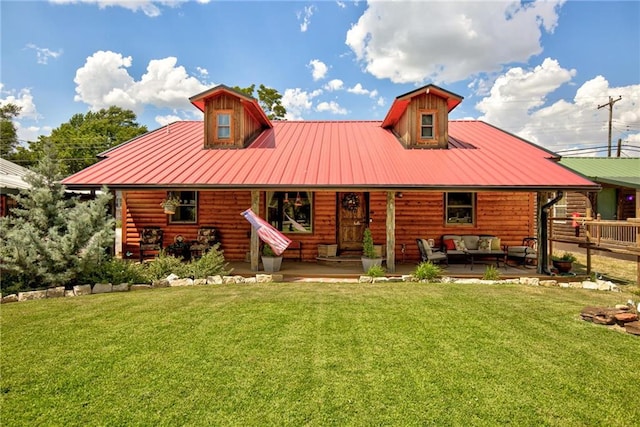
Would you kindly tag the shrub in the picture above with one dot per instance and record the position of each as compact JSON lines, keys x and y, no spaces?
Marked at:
{"x":368,"y":249}
{"x":375,"y":271}
{"x":211,"y":263}
{"x":165,"y":265}
{"x":427,"y":271}
{"x":267,"y":251}
{"x":117,"y":271}
{"x":491,"y":273}
{"x":567,"y":256}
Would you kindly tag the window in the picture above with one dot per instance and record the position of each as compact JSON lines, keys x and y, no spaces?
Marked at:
{"x":290,"y":211}
{"x":427,"y":126}
{"x":560,"y":210}
{"x":459,"y":208}
{"x":223,"y":125}
{"x":187,"y":211}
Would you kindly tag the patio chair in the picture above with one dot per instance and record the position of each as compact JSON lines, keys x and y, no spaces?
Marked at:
{"x":428,"y":254}
{"x":525,"y":254}
{"x":150,"y":240}
{"x":207,"y":237}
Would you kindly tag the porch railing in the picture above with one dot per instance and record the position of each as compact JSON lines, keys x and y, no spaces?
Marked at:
{"x":621,"y":236}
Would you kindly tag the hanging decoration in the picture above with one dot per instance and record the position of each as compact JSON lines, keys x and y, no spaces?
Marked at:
{"x":351,"y":202}
{"x":298,"y":202}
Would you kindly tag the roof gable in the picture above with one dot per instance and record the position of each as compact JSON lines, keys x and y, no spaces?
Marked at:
{"x":401,"y":102}
{"x":249,"y":103}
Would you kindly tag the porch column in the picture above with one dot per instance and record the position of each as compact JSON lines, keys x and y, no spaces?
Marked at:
{"x":254,"y":248}
{"x":391,"y":231}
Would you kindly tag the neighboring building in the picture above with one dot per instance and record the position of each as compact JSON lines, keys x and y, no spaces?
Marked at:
{"x":414,"y":174}
{"x":11,"y":182}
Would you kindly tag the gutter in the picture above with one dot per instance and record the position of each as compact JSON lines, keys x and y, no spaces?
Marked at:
{"x":544,"y":233}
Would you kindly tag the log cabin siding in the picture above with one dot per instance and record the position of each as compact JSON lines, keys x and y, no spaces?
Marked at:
{"x":510,"y":216}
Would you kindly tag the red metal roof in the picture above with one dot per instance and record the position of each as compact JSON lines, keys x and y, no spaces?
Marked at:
{"x":330,"y":154}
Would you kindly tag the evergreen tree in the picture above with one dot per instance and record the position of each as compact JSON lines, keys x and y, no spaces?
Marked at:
{"x":50,"y":240}
{"x":8,"y":132}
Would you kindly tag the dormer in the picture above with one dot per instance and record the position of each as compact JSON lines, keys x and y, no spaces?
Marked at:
{"x":420,"y":119}
{"x":232,"y":119}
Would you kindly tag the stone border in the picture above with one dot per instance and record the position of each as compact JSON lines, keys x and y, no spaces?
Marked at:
{"x":174,"y":281}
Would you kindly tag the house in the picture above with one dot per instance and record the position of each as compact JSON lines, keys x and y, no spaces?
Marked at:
{"x":11,"y":182}
{"x":413,"y":174}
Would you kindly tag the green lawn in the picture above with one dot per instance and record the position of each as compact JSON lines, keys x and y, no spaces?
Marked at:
{"x":319,"y":354}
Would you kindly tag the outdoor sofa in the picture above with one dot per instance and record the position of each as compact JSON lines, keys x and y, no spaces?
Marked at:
{"x":470,"y":247}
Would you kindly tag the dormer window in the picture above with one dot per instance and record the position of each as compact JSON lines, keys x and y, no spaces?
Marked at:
{"x":223,"y":124}
{"x":427,"y":125}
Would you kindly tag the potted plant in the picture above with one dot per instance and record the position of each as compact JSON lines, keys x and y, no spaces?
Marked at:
{"x":270,"y":261}
{"x":563,"y":263}
{"x":370,"y":257}
{"x":170,"y":204}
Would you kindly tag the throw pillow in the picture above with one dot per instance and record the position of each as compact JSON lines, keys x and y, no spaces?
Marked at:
{"x":484,"y":243}
{"x":450,"y":244}
{"x":495,"y":244}
{"x":460,"y":246}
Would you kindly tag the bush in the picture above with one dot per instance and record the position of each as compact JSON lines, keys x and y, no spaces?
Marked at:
{"x":427,"y":271}
{"x":375,"y":271}
{"x":491,"y":273}
{"x":118,"y":271}
{"x":210,"y":264}
{"x":368,"y":249}
{"x":165,"y":265}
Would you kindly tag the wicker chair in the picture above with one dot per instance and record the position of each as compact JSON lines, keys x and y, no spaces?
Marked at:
{"x":207,"y":237}
{"x":150,"y":240}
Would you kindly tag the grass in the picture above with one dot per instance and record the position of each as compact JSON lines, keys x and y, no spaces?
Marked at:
{"x":318,"y":354}
{"x":609,"y":267}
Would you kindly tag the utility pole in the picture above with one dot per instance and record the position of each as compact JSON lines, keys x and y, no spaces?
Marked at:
{"x":610,"y":104}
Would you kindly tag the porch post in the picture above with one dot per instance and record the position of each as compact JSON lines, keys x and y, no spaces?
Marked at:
{"x":391,"y":231}
{"x":254,"y":248}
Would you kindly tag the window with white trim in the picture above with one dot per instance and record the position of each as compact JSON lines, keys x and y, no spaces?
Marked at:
{"x":223,"y":121}
{"x":560,"y":210}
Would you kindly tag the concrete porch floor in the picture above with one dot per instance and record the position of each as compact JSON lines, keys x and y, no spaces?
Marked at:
{"x":296,"y":270}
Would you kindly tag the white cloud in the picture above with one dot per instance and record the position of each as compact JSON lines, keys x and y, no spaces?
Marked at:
{"x":104,"y":81}
{"x":318,"y":69}
{"x":333,"y":85}
{"x":332,"y":107}
{"x":43,"y":54}
{"x":306,"y":15}
{"x":148,"y":7}
{"x":168,"y":119}
{"x":439,"y":41}
{"x":28,"y":113}
{"x":517,"y":102}
{"x":297,"y":102}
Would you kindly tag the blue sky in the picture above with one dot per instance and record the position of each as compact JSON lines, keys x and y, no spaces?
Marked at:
{"x":536,"y":69}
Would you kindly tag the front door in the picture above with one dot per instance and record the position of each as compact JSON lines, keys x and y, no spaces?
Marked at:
{"x":352,"y":220}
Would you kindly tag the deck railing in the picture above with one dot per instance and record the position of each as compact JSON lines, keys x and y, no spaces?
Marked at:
{"x":621,"y":235}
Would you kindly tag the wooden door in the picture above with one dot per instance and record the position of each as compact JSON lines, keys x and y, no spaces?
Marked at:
{"x":352,"y":220}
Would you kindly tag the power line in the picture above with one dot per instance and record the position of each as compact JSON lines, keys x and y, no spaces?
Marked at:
{"x":610,"y":104}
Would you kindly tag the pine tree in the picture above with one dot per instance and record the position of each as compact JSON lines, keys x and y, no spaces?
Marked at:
{"x":51,"y":240}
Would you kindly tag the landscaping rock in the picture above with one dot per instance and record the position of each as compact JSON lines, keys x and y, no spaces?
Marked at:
{"x":80,"y":290}
{"x":632,"y":327}
{"x":69,"y":293}
{"x":122,"y":287}
{"x":250,"y":280}
{"x":626,"y":317}
{"x":199,"y":282}
{"x":31,"y":295}
{"x":407,"y":278}
{"x":139,"y":287}
{"x":57,"y":292}
{"x":548,"y":283}
{"x":102,"y":288}
{"x":530,"y":281}
{"x":9,"y":298}
{"x":277,"y":277}
{"x":172,"y":277}
{"x":380,"y":280}
{"x":228,"y":280}
{"x":365,"y":279}
{"x":214,"y":280}
{"x":161,"y":283}
{"x":181,"y":282}
{"x":263,"y":278}
{"x":564,"y":284}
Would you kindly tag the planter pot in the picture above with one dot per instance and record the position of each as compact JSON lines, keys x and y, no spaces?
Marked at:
{"x":370,"y":262}
{"x":169,"y":210}
{"x":563,"y":266}
{"x":327,"y":250}
{"x":271,"y":264}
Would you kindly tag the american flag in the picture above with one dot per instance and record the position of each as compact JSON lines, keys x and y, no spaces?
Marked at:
{"x":278,"y":241}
